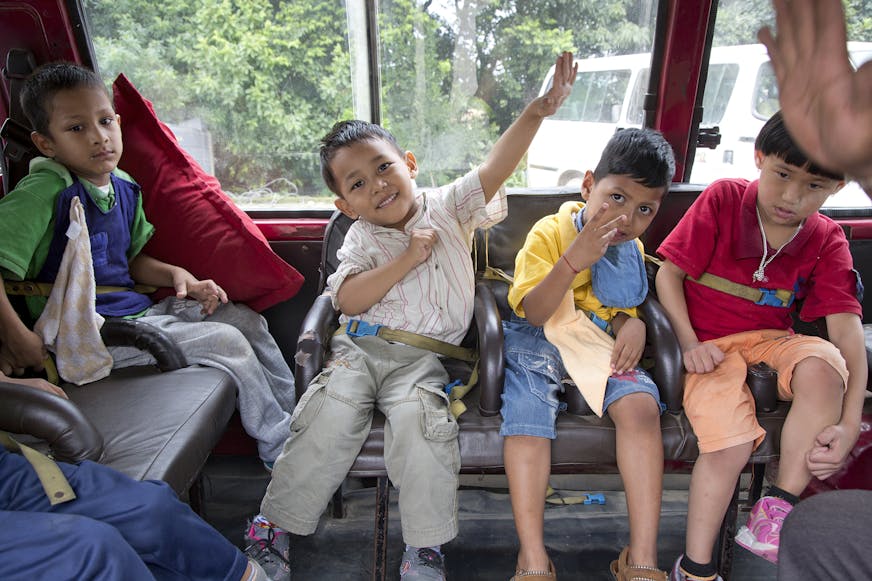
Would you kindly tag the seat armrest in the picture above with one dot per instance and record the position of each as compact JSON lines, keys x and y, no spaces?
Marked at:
{"x":316,"y":331}
{"x":70,"y":435}
{"x":133,"y":333}
{"x":668,"y":369}
{"x":491,"y":362}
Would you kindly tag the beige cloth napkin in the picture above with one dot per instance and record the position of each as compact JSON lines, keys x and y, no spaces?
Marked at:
{"x":586,"y":351}
{"x":70,"y":325}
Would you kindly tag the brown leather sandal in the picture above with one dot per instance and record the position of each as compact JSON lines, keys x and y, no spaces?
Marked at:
{"x":623,"y":571}
{"x":524,"y":575}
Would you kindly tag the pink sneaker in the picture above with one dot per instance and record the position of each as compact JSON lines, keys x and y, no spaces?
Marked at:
{"x":761,"y":534}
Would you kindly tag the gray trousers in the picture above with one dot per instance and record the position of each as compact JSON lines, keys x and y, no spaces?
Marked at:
{"x":828,"y":536}
{"x":236,"y":340}
{"x":333,"y":420}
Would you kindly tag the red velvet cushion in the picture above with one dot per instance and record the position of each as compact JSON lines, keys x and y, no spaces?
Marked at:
{"x":197,"y":226}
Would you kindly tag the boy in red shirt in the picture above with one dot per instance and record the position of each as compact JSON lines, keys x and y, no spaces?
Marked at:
{"x":767,"y":241}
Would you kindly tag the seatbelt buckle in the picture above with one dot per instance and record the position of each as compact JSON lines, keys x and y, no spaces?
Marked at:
{"x":358,"y":328}
{"x":597,"y":498}
{"x":452,"y":385}
{"x":769,"y":298}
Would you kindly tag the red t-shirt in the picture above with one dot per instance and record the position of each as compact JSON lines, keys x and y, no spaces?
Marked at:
{"x":720,"y":235}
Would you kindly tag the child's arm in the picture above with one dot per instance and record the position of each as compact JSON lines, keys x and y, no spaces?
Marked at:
{"x":588,"y":247}
{"x":698,"y":357}
{"x":147,"y":270}
{"x":361,"y":291}
{"x":19,"y":346}
{"x":512,"y":145}
{"x":835,"y":442}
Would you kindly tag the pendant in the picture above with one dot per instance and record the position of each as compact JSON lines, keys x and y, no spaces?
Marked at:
{"x":759,"y":275}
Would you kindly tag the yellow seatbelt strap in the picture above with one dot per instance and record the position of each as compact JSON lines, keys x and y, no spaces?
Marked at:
{"x":456,"y":392}
{"x":758,"y":296}
{"x":357,"y":328}
{"x":55,"y":484}
{"x":30,"y":288}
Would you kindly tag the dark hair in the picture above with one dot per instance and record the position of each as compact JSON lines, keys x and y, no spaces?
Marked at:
{"x":49,"y":80}
{"x":774,"y":139}
{"x":346,"y":134}
{"x":640,"y":154}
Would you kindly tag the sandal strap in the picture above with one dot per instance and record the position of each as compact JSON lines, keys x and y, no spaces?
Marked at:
{"x":645,"y":573}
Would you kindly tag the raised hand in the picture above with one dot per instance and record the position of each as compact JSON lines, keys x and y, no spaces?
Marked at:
{"x":827,"y":106}
{"x":561,"y":85}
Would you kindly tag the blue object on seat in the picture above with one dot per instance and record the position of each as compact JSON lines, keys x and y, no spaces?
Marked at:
{"x":597,"y":498}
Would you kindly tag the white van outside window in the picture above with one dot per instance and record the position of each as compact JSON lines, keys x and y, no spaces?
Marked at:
{"x":740,"y":95}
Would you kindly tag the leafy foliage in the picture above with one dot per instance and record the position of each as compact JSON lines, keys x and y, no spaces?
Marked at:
{"x":269,"y":77}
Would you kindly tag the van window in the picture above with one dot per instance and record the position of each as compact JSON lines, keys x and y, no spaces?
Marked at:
{"x":719,"y":85}
{"x":741,"y":92}
{"x":766,"y":93}
{"x":636,"y":108}
{"x":597,"y":97}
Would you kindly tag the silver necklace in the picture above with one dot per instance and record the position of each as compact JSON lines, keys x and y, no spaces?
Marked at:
{"x":760,"y":274}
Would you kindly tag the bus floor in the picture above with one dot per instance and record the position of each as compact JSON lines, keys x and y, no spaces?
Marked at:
{"x":581,"y":539}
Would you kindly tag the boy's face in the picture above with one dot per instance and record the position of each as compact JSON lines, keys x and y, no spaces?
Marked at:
{"x":84,"y":134}
{"x":375,"y":182}
{"x":625,"y":196}
{"x":788,"y":194}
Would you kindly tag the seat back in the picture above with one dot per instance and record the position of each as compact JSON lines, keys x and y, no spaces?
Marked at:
{"x":334,"y":236}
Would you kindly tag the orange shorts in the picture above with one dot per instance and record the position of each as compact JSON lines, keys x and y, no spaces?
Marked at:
{"x":719,"y":404}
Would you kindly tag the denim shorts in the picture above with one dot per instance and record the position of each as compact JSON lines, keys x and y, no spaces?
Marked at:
{"x":534,"y":378}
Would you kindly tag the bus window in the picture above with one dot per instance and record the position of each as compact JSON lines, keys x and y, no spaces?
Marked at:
{"x":247,"y":87}
{"x":741,"y":106}
{"x":454,"y":75}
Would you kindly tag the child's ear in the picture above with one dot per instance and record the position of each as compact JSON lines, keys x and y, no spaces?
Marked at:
{"x":759,"y":156}
{"x":43,"y":143}
{"x":587,"y":184}
{"x":343,"y":206}
{"x":411,"y":163}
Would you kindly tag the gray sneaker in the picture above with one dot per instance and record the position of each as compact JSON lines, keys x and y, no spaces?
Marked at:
{"x":422,"y":564}
{"x":270,"y":548}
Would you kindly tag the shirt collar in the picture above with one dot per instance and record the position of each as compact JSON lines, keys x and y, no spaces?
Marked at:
{"x":749,"y":244}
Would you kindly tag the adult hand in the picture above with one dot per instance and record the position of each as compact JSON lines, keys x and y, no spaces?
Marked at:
{"x":827,"y":106}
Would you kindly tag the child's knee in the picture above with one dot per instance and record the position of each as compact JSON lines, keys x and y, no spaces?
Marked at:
{"x":635,"y":411}
{"x":814,"y":377}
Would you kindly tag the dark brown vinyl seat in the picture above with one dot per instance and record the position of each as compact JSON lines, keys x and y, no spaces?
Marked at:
{"x":585,"y":443}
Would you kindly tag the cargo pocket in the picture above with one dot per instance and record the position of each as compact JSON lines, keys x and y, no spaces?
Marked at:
{"x":310,"y":404}
{"x":439,"y":424}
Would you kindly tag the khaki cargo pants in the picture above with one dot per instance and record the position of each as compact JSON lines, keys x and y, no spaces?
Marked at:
{"x":333,"y":419}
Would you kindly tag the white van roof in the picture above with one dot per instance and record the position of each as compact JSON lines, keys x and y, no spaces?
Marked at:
{"x":860,"y":52}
